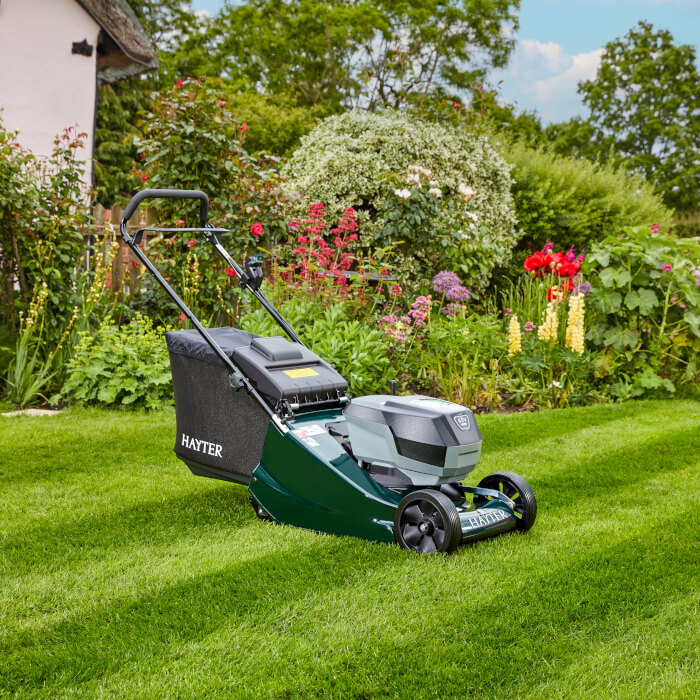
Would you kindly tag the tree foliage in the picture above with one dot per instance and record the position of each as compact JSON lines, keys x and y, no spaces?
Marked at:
{"x":645,"y":101}
{"x":368,"y":53}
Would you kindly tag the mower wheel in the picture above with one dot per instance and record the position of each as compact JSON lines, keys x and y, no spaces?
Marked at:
{"x":427,"y":521}
{"x":518,"y":490}
{"x":261,"y":513}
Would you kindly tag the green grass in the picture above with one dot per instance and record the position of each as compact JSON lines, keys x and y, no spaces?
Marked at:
{"x":125,"y":576}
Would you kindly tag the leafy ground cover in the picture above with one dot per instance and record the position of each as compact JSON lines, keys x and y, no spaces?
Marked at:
{"x":125,"y":576}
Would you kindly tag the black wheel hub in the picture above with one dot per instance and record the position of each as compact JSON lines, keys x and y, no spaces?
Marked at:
{"x":427,"y":527}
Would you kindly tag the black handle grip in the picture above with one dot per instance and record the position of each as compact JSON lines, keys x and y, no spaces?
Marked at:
{"x":133,"y":204}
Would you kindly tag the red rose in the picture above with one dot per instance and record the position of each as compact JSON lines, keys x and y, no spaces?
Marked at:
{"x":256,"y":229}
{"x":230,"y":272}
{"x":191,"y":244}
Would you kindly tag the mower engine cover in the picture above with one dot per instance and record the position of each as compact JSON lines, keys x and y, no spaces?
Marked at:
{"x":431,"y":441}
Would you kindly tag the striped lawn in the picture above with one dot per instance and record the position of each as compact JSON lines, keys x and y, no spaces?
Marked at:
{"x":124,"y":576}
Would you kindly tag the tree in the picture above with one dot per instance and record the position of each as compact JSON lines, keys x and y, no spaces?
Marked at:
{"x":369,"y":53}
{"x":645,"y":100}
{"x":434,"y":44}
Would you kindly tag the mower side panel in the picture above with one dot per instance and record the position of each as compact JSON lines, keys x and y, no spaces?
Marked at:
{"x":493,"y":518}
{"x":307,"y":480}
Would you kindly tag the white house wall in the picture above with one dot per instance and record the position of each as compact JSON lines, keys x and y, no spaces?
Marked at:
{"x":44,"y":87}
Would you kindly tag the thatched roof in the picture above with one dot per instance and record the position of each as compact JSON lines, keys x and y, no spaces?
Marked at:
{"x":125,"y":49}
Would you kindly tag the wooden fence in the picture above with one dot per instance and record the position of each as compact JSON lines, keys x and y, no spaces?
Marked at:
{"x":106,"y":221}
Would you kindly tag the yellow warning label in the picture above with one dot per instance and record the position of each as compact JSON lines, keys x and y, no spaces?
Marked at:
{"x":297,"y":373}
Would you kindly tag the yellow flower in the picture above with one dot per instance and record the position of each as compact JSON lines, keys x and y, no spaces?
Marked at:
{"x":574,"y":326}
{"x":548,"y":329}
{"x":514,"y":335}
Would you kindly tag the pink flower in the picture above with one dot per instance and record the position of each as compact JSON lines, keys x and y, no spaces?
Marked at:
{"x":666,"y":267}
{"x":244,"y":128}
{"x":180,"y":222}
{"x":191,"y":244}
{"x":182,"y":317}
{"x":405,"y":319}
{"x":256,"y":229}
{"x":549,"y":246}
{"x":172,"y":240}
{"x":395,"y":291}
{"x":143,"y":157}
{"x":302,"y":239}
{"x":143,"y":178}
{"x":134,"y":263}
{"x":179,"y":84}
{"x":529,"y":326}
{"x":655,"y":228}
{"x":222,"y":103}
{"x":352,"y":237}
{"x":230,"y":272}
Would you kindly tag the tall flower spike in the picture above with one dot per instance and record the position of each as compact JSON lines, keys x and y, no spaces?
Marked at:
{"x":575,"y":325}
{"x":548,"y":329}
{"x":514,"y":335}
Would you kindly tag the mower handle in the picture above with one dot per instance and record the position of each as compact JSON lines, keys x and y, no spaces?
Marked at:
{"x":167,"y":194}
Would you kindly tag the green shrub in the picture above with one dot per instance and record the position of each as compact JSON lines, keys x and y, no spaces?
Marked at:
{"x":357,"y":350}
{"x":357,"y":159}
{"x":275,"y":124}
{"x":124,"y":366}
{"x":575,"y":202}
{"x":645,"y":304}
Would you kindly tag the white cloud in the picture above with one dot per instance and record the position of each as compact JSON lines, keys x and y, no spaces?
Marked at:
{"x":543,"y":77}
{"x":582,"y":66}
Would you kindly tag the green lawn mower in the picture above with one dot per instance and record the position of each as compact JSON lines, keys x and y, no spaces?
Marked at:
{"x":271,"y":414}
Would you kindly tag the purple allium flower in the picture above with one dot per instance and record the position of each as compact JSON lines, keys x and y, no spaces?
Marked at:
{"x":666,"y":267}
{"x":582,"y":288}
{"x":458,"y":293}
{"x":529,"y":327}
{"x":444,"y":281}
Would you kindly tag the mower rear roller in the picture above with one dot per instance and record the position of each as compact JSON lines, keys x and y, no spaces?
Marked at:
{"x":427,"y":521}
{"x":518,"y":490}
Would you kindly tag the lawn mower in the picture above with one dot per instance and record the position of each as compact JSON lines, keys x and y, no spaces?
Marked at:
{"x":269,"y":413}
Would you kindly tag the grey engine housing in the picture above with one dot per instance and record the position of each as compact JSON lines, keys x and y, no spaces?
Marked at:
{"x":430,"y":441}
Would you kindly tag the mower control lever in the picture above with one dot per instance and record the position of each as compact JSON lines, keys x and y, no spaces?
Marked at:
{"x":253,"y":276}
{"x":133,"y":204}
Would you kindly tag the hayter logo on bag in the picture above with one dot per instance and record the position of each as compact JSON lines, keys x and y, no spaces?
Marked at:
{"x":208,"y":448}
{"x":462,"y":421}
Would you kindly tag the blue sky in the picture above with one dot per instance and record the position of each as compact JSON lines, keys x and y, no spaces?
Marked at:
{"x":560,"y":43}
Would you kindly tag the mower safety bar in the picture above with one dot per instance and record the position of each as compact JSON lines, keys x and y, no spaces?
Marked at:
{"x":133,"y":204}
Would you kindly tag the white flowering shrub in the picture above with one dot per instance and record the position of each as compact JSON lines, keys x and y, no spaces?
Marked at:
{"x":445,"y":193}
